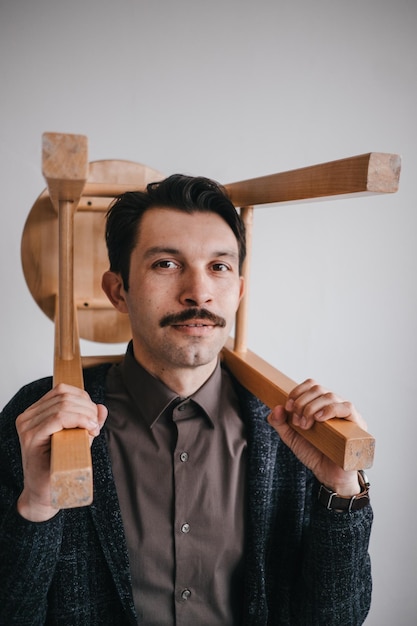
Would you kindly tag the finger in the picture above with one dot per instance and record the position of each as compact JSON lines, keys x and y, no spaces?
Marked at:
{"x":305,"y":400}
{"x":309,"y":402}
{"x":57,"y":392}
{"x":344,"y":410}
{"x":64,"y":403}
{"x":307,"y":392}
{"x":58,"y":413}
{"x":61,"y":416}
{"x":278,"y":420}
{"x":278,"y":416}
{"x":315,"y":405}
{"x":304,"y":450}
{"x":325,"y":408}
{"x":102,"y":413}
{"x":308,"y":386}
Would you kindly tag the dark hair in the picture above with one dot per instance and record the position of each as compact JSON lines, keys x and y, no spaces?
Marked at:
{"x":185,"y":193}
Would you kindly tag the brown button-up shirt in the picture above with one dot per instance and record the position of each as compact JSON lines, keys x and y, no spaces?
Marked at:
{"x":179,"y":467}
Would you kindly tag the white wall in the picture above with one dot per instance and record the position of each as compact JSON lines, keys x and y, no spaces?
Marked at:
{"x":234,"y":89}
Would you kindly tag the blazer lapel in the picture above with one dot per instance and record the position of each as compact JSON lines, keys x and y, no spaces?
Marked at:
{"x":262,"y":452}
{"x":107,"y":519}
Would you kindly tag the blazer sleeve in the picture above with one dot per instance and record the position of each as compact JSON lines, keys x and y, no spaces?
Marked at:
{"x":334,"y":585}
{"x":321,"y":561}
{"x":29,"y":551}
{"x":305,"y":565}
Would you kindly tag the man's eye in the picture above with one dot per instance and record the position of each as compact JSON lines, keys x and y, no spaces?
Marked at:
{"x":166,"y":264}
{"x":220,"y":267}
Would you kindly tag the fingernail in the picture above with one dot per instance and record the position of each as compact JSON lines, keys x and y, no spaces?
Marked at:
{"x":289,"y":405}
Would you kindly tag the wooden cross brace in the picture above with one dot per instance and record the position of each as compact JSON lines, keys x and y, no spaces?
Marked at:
{"x":65,"y":168}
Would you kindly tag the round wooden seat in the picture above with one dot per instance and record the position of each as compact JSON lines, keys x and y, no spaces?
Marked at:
{"x":97,"y":319}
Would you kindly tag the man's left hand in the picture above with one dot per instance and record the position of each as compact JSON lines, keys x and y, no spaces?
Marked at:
{"x":309,"y":403}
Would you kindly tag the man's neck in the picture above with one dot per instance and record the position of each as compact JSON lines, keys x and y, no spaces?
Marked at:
{"x":184,"y":381}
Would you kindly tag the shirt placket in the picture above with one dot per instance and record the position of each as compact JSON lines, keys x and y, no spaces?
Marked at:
{"x":188,"y":420}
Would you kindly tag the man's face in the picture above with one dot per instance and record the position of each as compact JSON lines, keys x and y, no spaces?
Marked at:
{"x":184,"y":289}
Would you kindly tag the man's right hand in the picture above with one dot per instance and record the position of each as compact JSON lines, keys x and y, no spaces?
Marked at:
{"x":62,"y":407}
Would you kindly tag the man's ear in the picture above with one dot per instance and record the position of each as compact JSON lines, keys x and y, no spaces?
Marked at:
{"x":112,"y":285}
{"x":241,"y":288}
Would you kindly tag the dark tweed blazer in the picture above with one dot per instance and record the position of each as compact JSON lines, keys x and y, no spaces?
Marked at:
{"x":305,"y":565}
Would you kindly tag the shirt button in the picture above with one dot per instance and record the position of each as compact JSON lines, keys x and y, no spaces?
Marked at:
{"x":184,"y":457}
{"x":185,"y":594}
{"x":182,"y":407}
{"x":185,"y":528}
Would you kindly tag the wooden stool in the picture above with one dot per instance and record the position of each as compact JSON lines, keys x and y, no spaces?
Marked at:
{"x":64,"y":256}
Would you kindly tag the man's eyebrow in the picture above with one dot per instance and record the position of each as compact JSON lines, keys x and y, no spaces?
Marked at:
{"x":150,"y":252}
{"x":227,"y":253}
{"x":155,"y":250}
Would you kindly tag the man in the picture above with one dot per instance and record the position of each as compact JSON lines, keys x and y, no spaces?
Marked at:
{"x":207,"y":507}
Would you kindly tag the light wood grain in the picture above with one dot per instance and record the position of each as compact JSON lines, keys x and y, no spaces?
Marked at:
{"x":342,"y":441}
{"x":75,"y":287}
{"x":242,"y":315}
{"x":65,"y":169}
{"x":98,"y":321}
{"x":348,"y":445}
{"x":64,"y":166}
{"x":67,"y":370}
{"x":71,"y":469}
{"x":370,"y":173}
{"x":365,"y":174}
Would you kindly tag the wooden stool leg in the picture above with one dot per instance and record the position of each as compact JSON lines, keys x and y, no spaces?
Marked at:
{"x":241,"y":323}
{"x":340,"y":440}
{"x":65,"y":168}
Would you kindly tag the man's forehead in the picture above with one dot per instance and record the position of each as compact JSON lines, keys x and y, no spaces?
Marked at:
{"x":167,"y":217}
{"x":171,"y":231}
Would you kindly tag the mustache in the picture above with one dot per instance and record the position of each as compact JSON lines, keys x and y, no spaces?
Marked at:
{"x":192,"y":314}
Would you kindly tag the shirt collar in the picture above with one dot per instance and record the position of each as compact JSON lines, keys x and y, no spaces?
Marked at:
{"x":152,"y":397}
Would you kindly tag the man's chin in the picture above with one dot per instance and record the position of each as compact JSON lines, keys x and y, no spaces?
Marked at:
{"x":196,"y":355}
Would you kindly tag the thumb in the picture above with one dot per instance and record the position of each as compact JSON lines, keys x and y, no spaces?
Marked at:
{"x":278,"y":420}
{"x":101,"y":414}
{"x":277,"y":417}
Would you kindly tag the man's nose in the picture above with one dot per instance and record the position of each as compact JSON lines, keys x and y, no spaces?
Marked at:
{"x":196,"y":288}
